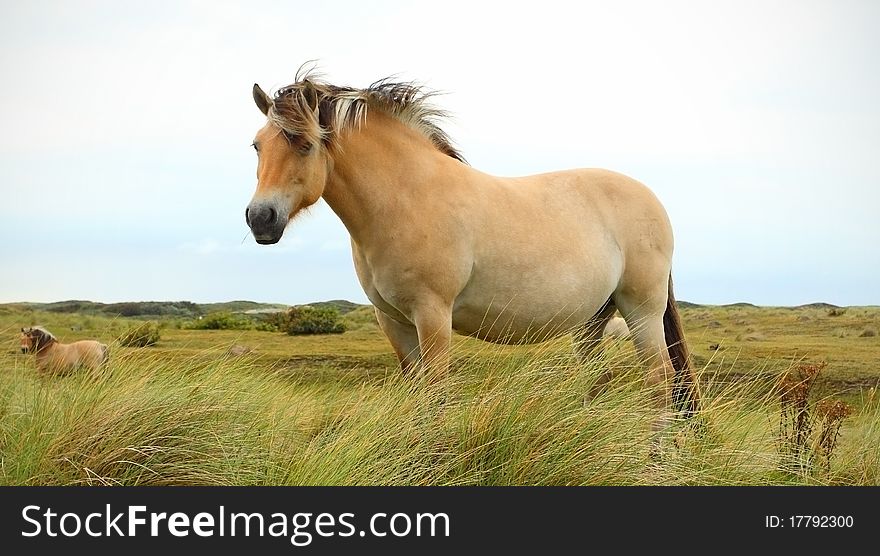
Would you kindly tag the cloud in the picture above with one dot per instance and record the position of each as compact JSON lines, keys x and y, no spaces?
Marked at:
{"x":127,"y":128}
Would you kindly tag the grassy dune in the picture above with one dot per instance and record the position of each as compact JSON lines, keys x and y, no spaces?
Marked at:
{"x":334,"y":410}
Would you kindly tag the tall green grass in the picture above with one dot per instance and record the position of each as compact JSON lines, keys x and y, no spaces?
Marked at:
{"x":220,"y":420}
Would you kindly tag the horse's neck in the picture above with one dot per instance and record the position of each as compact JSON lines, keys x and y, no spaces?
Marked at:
{"x":379,"y":172}
{"x":46,"y":350}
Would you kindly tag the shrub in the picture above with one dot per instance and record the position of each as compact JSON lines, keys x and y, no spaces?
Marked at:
{"x":142,"y":335}
{"x":807,"y":434}
{"x":362,"y":318}
{"x":223,"y":320}
{"x":269,"y":324}
{"x":311,"y":320}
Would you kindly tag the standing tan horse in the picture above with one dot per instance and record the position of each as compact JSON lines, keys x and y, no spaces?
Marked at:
{"x":440,"y":246}
{"x":53,"y":357}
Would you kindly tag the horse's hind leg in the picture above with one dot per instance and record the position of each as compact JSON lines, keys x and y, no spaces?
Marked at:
{"x":404,"y":339}
{"x":644,"y":316}
{"x":588,"y":338}
{"x":588,"y":341}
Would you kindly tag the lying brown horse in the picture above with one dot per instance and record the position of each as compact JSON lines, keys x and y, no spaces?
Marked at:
{"x":53,"y":357}
{"x":439,"y":246}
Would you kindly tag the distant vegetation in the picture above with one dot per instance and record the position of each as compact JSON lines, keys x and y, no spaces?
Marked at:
{"x":222,"y":320}
{"x":344,"y":307}
{"x":170,"y":309}
{"x":304,"y":319}
{"x":240,"y":307}
{"x":308,"y":319}
{"x":125,"y":309}
{"x":141,"y":335}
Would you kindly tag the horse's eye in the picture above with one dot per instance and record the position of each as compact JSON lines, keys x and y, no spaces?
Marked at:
{"x":298,"y":142}
{"x":255,"y":146}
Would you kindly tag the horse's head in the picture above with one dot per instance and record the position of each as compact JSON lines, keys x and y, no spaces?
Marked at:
{"x":34,"y":338}
{"x":27,"y":343}
{"x":293,"y":162}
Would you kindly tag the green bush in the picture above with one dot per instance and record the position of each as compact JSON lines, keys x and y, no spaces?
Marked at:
{"x":362,"y":318}
{"x":222,"y":320}
{"x":267,"y":325}
{"x":273,"y":322}
{"x":311,"y":320}
{"x":142,"y":335}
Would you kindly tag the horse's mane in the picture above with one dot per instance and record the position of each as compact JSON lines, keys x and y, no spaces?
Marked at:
{"x":42,"y":337}
{"x":318,"y":111}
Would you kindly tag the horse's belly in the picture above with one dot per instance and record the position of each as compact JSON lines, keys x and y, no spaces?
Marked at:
{"x":529,"y":312}
{"x":505,"y":329}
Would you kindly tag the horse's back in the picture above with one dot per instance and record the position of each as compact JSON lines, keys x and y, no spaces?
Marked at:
{"x":614,"y":198}
{"x":576,"y":213}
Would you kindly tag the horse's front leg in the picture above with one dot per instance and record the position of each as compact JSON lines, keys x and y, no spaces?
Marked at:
{"x":434,"y":325}
{"x":404,"y":339}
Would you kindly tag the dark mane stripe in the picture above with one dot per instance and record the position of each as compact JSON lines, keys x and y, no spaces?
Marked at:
{"x":40,"y":337}
{"x":315,"y":111}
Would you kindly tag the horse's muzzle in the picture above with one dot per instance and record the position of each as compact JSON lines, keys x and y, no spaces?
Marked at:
{"x":266,"y":224}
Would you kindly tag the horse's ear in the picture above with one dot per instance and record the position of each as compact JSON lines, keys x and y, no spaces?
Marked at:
{"x":310,"y":93}
{"x":262,"y":99}
{"x":22,"y":328}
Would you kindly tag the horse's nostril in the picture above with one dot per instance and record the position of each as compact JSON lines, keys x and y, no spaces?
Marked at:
{"x":263,"y":216}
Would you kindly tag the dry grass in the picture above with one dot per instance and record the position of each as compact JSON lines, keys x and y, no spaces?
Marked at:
{"x":334,"y":410}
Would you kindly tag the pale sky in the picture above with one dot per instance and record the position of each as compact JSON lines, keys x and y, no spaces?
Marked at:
{"x":125,"y":158}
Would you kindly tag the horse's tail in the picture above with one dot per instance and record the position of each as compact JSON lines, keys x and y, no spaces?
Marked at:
{"x":685,"y":389}
{"x":105,"y":354}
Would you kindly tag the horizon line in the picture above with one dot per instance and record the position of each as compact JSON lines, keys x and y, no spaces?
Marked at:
{"x":814,"y":304}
